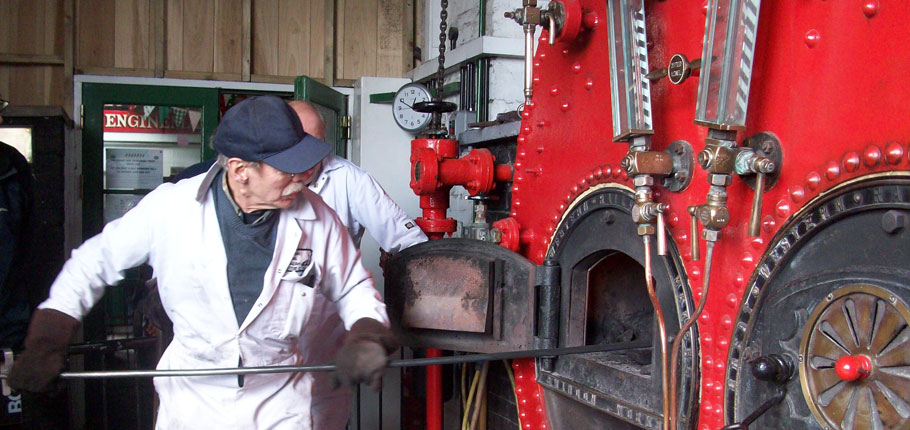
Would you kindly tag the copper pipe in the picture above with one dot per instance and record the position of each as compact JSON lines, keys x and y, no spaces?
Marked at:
{"x":661,"y":328}
{"x":481,"y":394}
{"x":677,"y":341}
{"x":693,"y":232}
{"x":755,"y":215}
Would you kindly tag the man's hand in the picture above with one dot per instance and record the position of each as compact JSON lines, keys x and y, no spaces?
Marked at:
{"x":37,"y":368}
{"x":364,"y":355}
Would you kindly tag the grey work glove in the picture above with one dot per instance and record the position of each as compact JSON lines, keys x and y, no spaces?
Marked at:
{"x":37,"y":368}
{"x":365,"y":354}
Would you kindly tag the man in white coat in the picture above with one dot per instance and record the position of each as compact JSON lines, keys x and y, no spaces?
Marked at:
{"x":361,"y":203}
{"x":240,"y":253}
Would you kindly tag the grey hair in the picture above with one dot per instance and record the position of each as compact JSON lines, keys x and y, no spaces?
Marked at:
{"x":222,"y":160}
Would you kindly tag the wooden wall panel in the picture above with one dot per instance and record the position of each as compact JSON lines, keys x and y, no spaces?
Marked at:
{"x":198,"y":35}
{"x":228,"y":34}
{"x":132,"y":35}
{"x":31,"y":30}
{"x":360,"y":38}
{"x":391,"y":38}
{"x":316,"y":60}
{"x":373,"y":38}
{"x":265,"y":37}
{"x":294,"y":26}
{"x":95,"y":33}
{"x":333,"y":41}
{"x":174,"y":38}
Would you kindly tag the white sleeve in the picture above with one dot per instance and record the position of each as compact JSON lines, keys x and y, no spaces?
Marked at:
{"x":346,"y":282}
{"x":382,"y":218}
{"x":101,"y":260}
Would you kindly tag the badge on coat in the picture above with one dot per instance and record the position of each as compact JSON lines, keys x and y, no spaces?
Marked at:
{"x":299,"y":269}
{"x":300,"y":261}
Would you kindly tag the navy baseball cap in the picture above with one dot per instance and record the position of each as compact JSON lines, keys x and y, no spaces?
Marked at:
{"x":266,"y":129}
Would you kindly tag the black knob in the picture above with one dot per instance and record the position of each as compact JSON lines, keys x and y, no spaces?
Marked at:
{"x":773,"y":368}
{"x":434,"y":106}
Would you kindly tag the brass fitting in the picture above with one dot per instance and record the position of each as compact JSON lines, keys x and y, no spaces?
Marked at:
{"x":647,"y":163}
{"x":718,"y":158}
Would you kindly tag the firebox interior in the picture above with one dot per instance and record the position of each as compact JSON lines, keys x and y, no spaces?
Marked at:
{"x":618,"y":308}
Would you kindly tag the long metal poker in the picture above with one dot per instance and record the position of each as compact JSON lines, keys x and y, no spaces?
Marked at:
{"x":417,"y":362}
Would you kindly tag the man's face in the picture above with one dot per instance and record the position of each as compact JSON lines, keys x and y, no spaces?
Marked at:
{"x":270,"y":188}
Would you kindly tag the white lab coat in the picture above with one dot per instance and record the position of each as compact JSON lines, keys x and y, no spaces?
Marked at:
{"x":175,"y":229}
{"x":361,"y":203}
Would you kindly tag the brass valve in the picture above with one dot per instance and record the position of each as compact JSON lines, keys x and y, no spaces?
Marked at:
{"x":713,"y":215}
{"x":529,"y":16}
{"x":719,"y":159}
{"x":722,"y":159}
{"x":750,"y":163}
{"x":645,"y":214}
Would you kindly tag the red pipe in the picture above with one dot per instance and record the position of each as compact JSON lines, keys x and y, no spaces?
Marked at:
{"x":503,"y":173}
{"x":434,"y":392}
{"x":434,"y":171}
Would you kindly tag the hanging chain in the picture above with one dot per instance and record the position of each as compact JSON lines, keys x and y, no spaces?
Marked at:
{"x":440,"y":73}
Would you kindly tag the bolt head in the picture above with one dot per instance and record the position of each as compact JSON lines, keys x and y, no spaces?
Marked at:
{"x":894,"y":221}
{"x":609,"y":217}
{"x":719,"y":179}
{"x":645,"y":229}
{"x":643,"y":181}
{"x":711,"y":235}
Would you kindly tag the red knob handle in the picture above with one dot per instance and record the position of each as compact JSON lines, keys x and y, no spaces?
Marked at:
{"x":853,"y":367}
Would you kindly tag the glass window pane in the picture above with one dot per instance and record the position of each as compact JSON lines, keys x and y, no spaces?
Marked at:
{"x":145,"y":146}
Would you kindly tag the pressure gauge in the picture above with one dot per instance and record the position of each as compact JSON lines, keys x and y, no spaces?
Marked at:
{"x":402,"y":107}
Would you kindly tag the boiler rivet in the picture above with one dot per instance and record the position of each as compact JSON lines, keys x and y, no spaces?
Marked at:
{"x":851,"y":161}
{"x":812,"y":38}
{"x":893,"y":153}
{"x":832,"y":171}
{"x":872,"y":156}
{"x":813,"y":179}
{"x":870,"y":8}
{"x":797,"y":193}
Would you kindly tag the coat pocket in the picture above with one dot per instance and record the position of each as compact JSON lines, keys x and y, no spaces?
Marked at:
{"x":299,"y":297}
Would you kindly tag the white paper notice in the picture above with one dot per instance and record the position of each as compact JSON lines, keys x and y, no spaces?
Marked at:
{"x":136,"y":169}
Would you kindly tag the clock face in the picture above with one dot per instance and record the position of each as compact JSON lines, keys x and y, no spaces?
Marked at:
{"x":406,"y":117}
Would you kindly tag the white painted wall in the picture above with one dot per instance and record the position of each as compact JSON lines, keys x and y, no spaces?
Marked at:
{"x":380,"y":147}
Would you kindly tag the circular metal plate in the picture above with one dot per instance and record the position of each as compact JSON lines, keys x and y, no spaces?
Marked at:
{"x":858,"y":320}
{"x":766,"y":144}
